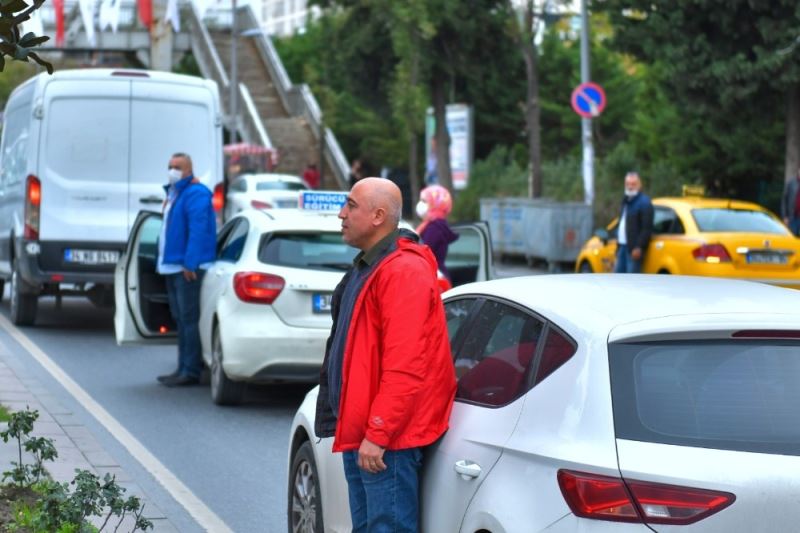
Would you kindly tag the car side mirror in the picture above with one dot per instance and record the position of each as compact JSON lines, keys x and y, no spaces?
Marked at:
{"x":601,"y":234}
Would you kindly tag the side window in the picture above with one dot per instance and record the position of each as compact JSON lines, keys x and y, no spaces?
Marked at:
{"x":456,"y":313}
{"x":665,"y":220}
{"x":234,"y":245}
{"x":15,"y":145}
{"x":239,"y":186}
{"x":557,"y":350}
{"x":497,"y":355}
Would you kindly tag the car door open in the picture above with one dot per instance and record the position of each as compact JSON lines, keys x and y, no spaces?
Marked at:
{"x":469,"y":258}
{"x":142,"y":313}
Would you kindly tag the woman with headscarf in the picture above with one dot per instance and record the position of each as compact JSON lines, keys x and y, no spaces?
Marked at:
{"x":434,"y":205}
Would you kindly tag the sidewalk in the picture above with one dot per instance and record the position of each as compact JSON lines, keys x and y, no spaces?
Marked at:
{"x":77,"y":447}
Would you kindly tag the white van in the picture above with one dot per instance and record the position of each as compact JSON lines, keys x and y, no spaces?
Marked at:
{"x":82,"y":152}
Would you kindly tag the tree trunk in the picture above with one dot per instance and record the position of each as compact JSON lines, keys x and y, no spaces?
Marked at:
{"x":532,"y":110}
{"x":792,"y":132}
{"x":442,"y":136}
{"x":413,"y":137}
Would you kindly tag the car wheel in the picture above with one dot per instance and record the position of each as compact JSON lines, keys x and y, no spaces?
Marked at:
{"x":23,"y":304}
{"x":223,"y":390}
{"x":305,"y":502}
{"x":664,"y":271}
{"x":586,"y":268}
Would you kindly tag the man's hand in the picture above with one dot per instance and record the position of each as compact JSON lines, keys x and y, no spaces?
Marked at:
{"x":370,"y":457}
{"x":188,"y":275}
{"x":636,"y":253}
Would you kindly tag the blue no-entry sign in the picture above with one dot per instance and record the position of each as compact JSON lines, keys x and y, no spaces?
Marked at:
{"x":588,"y":100}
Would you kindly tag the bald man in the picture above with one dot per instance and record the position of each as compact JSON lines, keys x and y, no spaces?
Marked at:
{"x":387,"y":382}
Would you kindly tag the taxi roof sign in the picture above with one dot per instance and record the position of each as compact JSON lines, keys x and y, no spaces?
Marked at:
{"x":694,"y":190}
{"x":322,"y":200}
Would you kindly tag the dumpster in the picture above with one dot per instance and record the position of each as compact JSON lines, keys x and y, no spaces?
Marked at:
{"x":538,"y":229}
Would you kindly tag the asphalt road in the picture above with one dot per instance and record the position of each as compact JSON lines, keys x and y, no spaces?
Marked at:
{"x":233,"y":459}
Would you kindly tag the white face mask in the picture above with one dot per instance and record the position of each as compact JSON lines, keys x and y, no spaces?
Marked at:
{"x":174,"y":175}
{"x":630,"y":193}
{"x":422,"y":209}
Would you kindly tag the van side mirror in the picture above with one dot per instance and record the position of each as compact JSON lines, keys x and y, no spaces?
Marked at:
{"x":601,"y":234}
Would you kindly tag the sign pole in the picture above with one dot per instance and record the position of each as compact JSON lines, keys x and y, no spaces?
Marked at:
{"x":586,"y":123}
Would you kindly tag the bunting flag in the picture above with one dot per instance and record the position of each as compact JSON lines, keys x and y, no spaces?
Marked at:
{"x":109,"y":14}
{"x":59,"y":7}
{"x":87,"y":14}
{"x":145,"y":12}
{"x":173,"y":15}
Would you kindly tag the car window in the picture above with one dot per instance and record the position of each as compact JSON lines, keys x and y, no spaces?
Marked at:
{"x":15,"y":145}
{"x":234,"y":245}
{"x":239,"y":186}
{"x":313,"y":251}
{"x":279,"y":186}
{"x":557,"y":350}
{"x":737,"y":220}
{"x":456,"y":313}
{"x":730,"y":395}
{"x":463,"y":259}
{"x":495,"y":359}
{"x":666,"y":221}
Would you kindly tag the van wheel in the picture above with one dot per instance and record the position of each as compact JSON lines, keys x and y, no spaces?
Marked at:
{"x":223,"y":390}
{"x":305,"y":502}
{"x":23,"y":305}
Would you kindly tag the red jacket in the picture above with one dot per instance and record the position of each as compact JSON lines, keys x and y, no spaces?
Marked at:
{"x":398,"y":380}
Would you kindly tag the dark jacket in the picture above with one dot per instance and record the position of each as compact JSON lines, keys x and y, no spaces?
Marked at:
{"x":438,"y":236}
{"x":191,"y":236}
{"x":789,"y":202}
{"x":638,"y":220}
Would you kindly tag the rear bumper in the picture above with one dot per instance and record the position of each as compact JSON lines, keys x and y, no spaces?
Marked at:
{"x":47,"y":264}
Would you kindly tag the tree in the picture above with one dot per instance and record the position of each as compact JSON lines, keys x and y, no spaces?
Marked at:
{"x":13,"y":44}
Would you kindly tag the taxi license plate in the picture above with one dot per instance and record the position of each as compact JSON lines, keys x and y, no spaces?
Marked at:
{"x":766,"y":258}
{"x":91,"y":257}
{"x":322,"y":302}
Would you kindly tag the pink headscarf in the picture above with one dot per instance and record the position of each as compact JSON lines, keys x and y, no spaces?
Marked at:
{"x":439,"y":201}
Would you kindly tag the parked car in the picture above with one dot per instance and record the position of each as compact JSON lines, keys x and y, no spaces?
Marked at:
{"x":599,"y":403}
{"x":82,"y":152}
{"x":265,"y":301}
{"x":707,"y":237}
{"x":263,"y":191}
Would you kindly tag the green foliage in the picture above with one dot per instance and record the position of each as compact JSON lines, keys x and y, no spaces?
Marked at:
{"x":19,"y":428}
{"x":13,"y":44}
{"x":5,"y":415}
{"x":499,"y":175}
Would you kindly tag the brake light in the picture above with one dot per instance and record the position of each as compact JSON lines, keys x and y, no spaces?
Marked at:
{"x":33,"y":202}
{"x":610,"y":498}
{"x":766,"y":334}
{"x":711,"y":253}
{"x":260,"y":205}
{"x":218,"y":200}
{"x":256,"y":287}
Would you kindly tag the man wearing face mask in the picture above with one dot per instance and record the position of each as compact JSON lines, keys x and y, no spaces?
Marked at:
{"x":635,"y":226}
{"x":185,"y":248}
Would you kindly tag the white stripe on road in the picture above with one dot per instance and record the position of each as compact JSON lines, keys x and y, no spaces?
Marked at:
{"x":193,"y":505}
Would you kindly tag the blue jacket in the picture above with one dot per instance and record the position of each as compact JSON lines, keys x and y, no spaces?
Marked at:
{"x":638,"y":220}
{"x":191,"y":237}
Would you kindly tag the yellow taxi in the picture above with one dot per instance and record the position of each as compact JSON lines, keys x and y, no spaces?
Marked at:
{"x":707,"y":237}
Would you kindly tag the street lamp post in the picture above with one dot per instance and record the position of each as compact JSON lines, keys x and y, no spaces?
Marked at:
{"x":586,"y":123}
{"x":234,"y":81}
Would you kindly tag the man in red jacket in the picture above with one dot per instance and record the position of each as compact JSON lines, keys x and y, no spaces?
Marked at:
{"x":387,"y":382}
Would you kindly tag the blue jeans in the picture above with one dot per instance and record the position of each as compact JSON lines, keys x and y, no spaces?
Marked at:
{"x":794,"y":225}
{"x":184,"y":306}
{"x":625,"y":263}
{"x":386,"y":502}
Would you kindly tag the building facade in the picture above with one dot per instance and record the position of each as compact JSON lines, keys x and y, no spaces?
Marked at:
{"x":284,"y":17}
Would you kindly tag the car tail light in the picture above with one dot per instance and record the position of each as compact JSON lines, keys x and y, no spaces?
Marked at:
{"x":610,"y":498}
{"x":257,"y":287}
{"x":712,"y":253}
{"x":257,"y":204}
{"x":766,"y":334}
{"x":218,"y":200}
{"x":33,"y":202}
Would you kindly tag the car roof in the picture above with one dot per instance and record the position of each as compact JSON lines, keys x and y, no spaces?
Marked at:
{"x":601,"y":302}
{"x":269,"y":176}
{"x":293,"y":219}
{"x":691,"y":202}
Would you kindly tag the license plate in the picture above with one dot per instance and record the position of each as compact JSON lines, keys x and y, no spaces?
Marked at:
{"x":322,"y":303}
{"x":767,"y":258}
{"x":91,"y":257}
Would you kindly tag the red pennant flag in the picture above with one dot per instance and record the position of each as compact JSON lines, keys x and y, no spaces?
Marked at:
{"x":59,"y":7}
{"x":145,"y":12}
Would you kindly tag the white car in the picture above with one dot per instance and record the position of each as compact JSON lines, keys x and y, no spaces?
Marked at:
{"x":600,"y":403}
{"x":263,"y":191}
{"x":265,"y":301}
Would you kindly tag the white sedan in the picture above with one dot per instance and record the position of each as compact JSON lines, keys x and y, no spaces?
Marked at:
{"x":265,"y":301}
{"x":263,"y":191}
{"x":600,"y":403}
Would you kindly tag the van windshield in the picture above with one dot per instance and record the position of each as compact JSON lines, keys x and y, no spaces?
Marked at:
{"x":731,"y":395}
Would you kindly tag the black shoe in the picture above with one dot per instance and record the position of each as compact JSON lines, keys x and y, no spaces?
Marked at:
{"x":168,"y":377}
{"x":181,"y":381}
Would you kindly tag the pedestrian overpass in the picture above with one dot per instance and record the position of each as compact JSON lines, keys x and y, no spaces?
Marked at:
{"x":270,"y":110}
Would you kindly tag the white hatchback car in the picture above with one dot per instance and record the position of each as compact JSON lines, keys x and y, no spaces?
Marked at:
{"x":265,"y":301}
{"x":600,"y":403}
{"x":263,"y":191}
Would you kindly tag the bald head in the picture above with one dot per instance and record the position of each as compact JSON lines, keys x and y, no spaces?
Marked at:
{"x":372,"y":211}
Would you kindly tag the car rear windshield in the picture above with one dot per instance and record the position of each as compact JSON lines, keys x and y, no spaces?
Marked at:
{"x":728,"y":395}
{"x":736,"y":220}
{"x":318,"y":251}
{"x":279,"y":186}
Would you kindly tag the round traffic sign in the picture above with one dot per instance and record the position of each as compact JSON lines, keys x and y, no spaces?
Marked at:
{"x":588,"y":99}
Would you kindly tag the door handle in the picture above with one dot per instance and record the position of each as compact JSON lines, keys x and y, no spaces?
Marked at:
{"x":467,"y":469}
{"x":151,"y":200}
